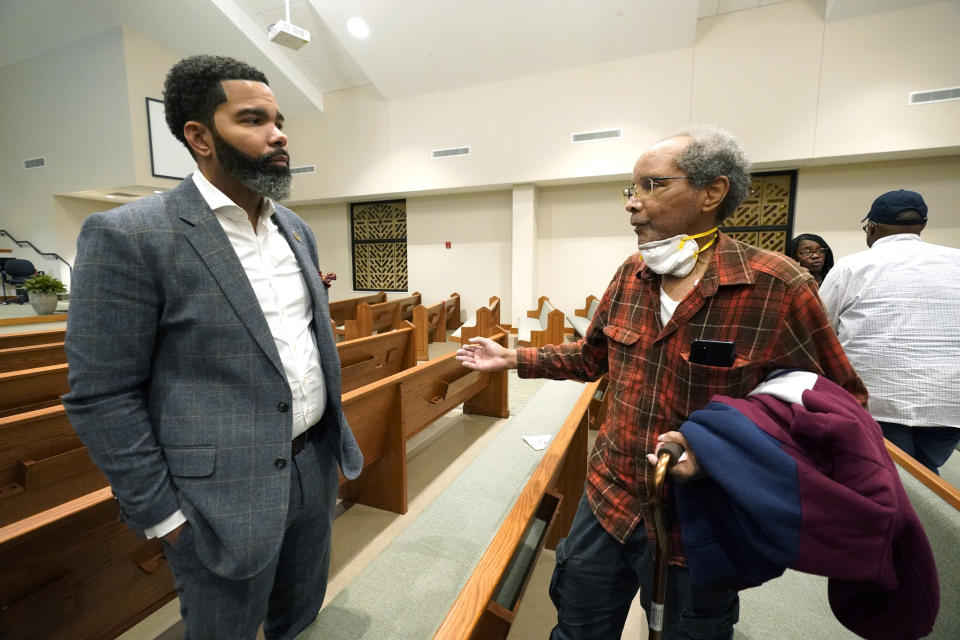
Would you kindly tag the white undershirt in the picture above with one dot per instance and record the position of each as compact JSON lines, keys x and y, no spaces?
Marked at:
{"x":667,"y":307}
{"x":278,"y":283}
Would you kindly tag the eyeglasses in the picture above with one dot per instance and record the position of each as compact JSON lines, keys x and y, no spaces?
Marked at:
{"x":866,"y":226}
{"x":647,"y":186}
{"x":806,"y":253}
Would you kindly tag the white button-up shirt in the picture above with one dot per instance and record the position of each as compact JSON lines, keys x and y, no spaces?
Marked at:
{"x":896,"y":310}
{"x":278,"y":283}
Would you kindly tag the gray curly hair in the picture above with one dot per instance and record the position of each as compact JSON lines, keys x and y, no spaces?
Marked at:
{"x":715,"y":152}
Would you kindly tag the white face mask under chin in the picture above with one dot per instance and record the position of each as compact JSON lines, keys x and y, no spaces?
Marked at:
{"x":674,"y":256}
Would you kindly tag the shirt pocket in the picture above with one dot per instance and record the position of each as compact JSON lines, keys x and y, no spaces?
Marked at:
{"x":622,"y":356}
{"x":698,"y":383}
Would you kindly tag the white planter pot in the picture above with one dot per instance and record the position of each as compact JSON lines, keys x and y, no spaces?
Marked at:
{"x":43,"y":303}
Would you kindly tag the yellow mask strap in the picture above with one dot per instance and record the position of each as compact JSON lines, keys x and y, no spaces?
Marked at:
{"x":699,"y":235}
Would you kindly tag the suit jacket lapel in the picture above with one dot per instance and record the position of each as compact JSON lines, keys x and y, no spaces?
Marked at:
{"x":203,"y":231}
{"x":309,"y":269}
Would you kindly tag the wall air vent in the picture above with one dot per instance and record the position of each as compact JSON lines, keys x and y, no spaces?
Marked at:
{"x":590,"y":136}
{"x":453,"y":151}
{"x":937,"y":95}
{"x":34,"y":163}
{"x":304,"y":169}
{"x":121,"y":194}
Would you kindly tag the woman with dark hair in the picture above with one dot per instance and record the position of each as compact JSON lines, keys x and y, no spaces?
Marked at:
{"x":813,"y":253}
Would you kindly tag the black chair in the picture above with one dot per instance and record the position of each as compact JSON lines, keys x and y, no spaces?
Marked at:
{"x":16,"y":272}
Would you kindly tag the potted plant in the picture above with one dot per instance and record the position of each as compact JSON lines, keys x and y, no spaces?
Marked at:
{"x":43,"y":290}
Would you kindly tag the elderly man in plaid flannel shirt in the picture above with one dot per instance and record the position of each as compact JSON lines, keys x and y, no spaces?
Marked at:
{"x":688,"y":282}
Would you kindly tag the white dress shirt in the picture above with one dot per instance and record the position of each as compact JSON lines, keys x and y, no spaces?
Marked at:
{"x":896,"y":310}
{"x":278,"y":283}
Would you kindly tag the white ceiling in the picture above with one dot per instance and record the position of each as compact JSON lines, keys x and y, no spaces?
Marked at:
{"x":415,"y":46}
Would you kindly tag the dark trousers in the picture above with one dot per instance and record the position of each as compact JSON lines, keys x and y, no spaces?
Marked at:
{"x":597,"y":577}
{"x":930,"y":446}
{"x":285,"y":596}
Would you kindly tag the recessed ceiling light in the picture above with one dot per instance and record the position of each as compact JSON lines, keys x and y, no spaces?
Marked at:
{"x":158,"y":191}
{"x":109,"y":196}
{"x":358,"y":28}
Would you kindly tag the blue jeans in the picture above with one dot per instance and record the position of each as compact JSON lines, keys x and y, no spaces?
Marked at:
{"x":597,"y":577}
{"x":930,"y":446}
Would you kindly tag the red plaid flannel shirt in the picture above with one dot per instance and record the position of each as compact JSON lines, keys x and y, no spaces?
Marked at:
{"x":760,"y":300}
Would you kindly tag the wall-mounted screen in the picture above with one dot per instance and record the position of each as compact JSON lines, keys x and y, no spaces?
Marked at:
{"x":168,"y":157}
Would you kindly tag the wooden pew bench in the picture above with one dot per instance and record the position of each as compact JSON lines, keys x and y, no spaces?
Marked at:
{"x":26,"y":339}
{"x":581,"y":318}
{"x":346,"y":309}
{"x":379,"y":317}
{"x":75,"y":571}
{"x":30,"y":389}
{"x":430,"y":323}
{"x":373,"y":358}
{"x":32,"y":356}
{"x":472,"y":327}
{"x":542,"y":326}
{"x":385,"y":414}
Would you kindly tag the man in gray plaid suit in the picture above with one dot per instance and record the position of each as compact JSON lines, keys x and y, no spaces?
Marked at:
{"x":204,"y":376}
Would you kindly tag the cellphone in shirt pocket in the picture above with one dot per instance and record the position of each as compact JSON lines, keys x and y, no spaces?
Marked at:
{"x":715,"y":353}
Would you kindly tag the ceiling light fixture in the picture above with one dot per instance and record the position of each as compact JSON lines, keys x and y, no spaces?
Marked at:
{"x":358,"y":28}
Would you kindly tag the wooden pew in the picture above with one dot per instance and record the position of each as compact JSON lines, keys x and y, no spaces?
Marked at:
{"x":26,"y":339}
{"x":343,"y":310}
{"x":32,"y":388}
{"x":373,"y":358}
{"x":32,"y":356}
{"x":429,"y":324}
{"x":385,"y":414}
{"x":488,"y":602}
{"x":452,"y":308}
{"x":407,"y":305}
{"x":382,"y":316}
{"x":76,"y":571}
{"x":581,"y":318}
{"x":42,"y":464}
{"x":544,"y":324}
{"x":482,"y":324}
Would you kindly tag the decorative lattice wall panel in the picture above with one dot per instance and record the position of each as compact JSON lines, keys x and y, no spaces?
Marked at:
{"x":765,"y":219}
{"x":379,"y":239}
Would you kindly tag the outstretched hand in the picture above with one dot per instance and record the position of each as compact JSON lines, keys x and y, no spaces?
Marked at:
{"x":686,"y":468}
{"x":483,"y":354}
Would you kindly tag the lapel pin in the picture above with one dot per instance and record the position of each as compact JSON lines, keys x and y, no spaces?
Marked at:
{"x":296,"y":235}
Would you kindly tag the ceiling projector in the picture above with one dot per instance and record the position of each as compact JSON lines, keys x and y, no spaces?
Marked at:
{"x":288,"y":34}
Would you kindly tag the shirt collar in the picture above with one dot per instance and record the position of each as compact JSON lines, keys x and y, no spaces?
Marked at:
{"x":899,"y":237}
{"x":728,"y":265}
{"x":220,"y":203}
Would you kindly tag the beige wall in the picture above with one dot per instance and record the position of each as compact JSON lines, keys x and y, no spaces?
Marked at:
{"x":146,"y":67}
{"x":832,"y":200}
{"x":69,"y":106}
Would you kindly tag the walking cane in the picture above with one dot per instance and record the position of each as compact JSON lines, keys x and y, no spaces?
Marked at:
{"x":668,"y":454}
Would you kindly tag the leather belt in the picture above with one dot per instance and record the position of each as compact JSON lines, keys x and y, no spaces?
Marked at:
{"x":300,"y":442}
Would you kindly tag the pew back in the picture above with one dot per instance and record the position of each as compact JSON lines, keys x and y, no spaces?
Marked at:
{"x":31,"y":356}
{"x":10,"y":340}
{"x":32,"y":388}
{"x":346,"y":309}
{"x":372,"y":358}
{"x":384,"y":414}
{"x":76,"y":571}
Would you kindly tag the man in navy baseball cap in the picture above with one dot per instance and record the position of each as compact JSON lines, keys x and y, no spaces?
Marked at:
{"x":899,"y":208}
{"x":894,"y":308}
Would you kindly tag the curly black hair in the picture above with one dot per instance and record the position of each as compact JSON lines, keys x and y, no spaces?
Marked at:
{"x":192,"y":89}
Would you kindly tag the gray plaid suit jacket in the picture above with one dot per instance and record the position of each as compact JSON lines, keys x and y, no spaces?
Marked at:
{"x":176,"y":384}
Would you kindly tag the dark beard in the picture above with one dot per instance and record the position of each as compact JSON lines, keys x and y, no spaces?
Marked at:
{"x":255,"y":173}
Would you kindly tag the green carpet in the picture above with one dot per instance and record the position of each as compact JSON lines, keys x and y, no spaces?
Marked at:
{"x":406,"y":591}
